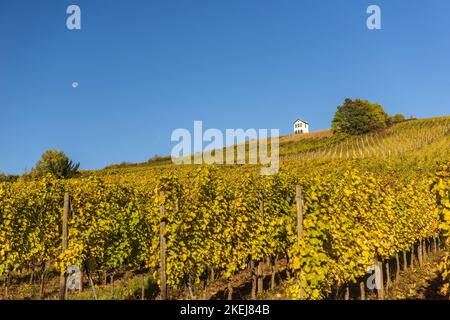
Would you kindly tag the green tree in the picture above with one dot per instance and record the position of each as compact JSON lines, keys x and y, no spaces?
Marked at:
{"x":398,"y":118}
{"x":359,"y":116}
{"x":56,"y":163}
{"x":7,"y":177}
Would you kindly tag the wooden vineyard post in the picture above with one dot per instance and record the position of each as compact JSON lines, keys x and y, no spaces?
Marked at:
{"x":81,"y":279}
{"x":299,"y":204}
{"x":254,"y":280}
{"x":405,"y":261}
{"x":388,"y":276}
{"x":419,"y":253}
{"x":42,"y":290}
{"x":347,"y":293}
{"x":65,"y":235}
{"x":362,"y":288}
{"x":91,"y":282}
{"x":397,"y":267}
{"x":70,"y":215}
{"x":6,"y":284}
{"x":162,"y":249}
{"x":424,"y":250}
{"x":230,"y":289}
{"x":143,"y":286}
{"x":273,"y":271}
{"x":259,"y":272}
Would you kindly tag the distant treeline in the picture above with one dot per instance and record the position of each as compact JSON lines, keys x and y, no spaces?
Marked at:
{"x":152,"y":161}
{"x":8,"y":177}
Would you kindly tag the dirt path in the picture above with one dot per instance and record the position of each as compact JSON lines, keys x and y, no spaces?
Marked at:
{"x":420,"y":283}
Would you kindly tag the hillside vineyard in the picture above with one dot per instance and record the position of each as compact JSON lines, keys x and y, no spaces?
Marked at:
{"x":221,"y":220}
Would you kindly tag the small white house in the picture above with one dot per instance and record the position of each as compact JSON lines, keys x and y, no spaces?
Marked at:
{"x":301,"y":126}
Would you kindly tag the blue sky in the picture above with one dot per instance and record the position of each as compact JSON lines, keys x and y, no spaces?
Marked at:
{"x":145,"y":68}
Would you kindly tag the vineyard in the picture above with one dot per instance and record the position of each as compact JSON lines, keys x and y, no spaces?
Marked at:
{"x":403,"y":138}
{"x":338,"y":207}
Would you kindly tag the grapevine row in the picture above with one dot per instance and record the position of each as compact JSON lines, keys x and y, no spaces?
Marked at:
{"x":217,"y":227}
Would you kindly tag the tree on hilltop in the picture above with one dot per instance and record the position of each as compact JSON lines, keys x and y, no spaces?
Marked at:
{"x":56,"y":163}
{"x":358,"y":116}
